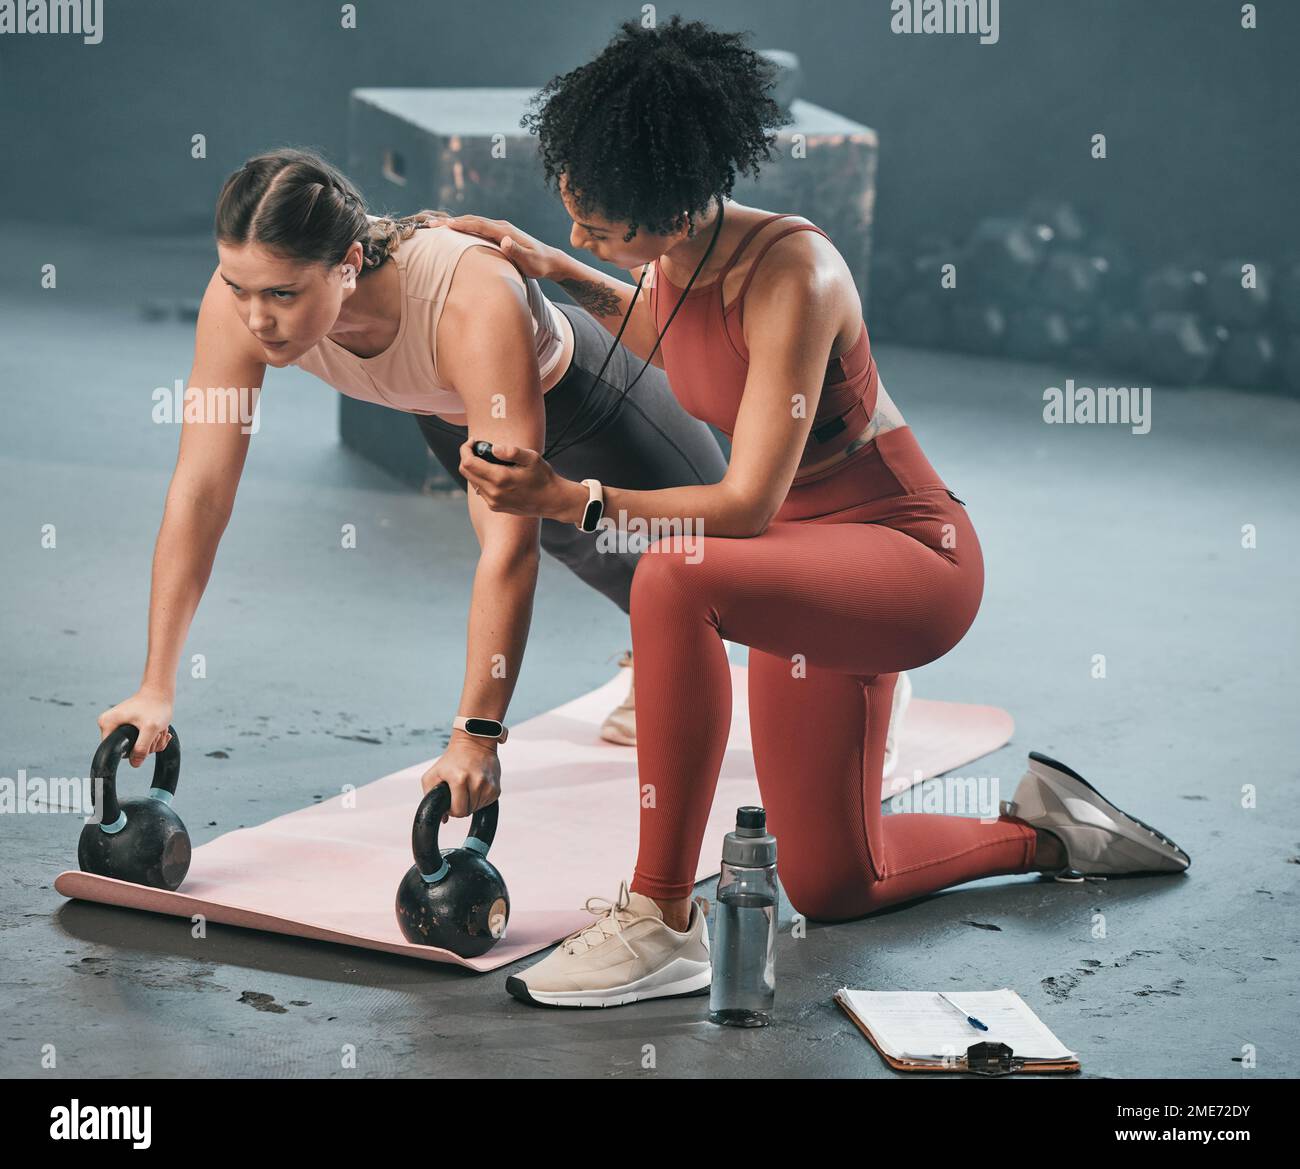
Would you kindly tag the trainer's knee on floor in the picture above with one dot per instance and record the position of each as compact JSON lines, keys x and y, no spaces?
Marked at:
{"x":812,"y":898}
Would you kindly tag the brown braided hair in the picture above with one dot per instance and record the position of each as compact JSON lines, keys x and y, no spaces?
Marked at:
{"x":296,"y":205}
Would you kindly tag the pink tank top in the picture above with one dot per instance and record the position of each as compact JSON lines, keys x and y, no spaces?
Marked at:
{"x":706,"y":359}
{"x":405,"y":375}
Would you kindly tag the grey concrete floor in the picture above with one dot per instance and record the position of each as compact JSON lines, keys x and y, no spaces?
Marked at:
{"x":323,"y":670}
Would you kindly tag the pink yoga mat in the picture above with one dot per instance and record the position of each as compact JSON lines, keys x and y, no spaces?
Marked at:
{"x":330,"y":871}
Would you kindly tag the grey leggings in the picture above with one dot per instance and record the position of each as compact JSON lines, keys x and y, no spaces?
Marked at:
{"x":650,"y":444}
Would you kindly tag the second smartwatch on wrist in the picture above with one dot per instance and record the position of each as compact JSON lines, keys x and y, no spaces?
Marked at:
{"x":481,"y":728}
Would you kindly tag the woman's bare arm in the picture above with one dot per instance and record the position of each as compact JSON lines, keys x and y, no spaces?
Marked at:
{"x":607,"y":299}
{"x":486,"y":352}
{"x":227,"y":376}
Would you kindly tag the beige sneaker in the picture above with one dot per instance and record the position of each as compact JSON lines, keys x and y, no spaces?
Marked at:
{"x":902,"y":696}
{"x":620,"y":724}
{"x":627,"y":954}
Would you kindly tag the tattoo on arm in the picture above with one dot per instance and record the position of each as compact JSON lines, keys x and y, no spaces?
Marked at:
{"x":596,"y":298}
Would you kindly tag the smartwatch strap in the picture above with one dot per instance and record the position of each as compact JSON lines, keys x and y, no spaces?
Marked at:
{"x":595,"y":502}
{"x":460,"y":721}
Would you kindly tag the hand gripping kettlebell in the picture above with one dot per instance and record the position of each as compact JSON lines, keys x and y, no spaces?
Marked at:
{"x":144,"y":840}
{"x":453,"y":898}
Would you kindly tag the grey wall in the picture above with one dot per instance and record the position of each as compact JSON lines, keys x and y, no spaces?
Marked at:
{"x":1200,"y":114}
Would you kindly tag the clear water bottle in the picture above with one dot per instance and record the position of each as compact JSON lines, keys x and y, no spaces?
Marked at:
{"x":744,"y":932}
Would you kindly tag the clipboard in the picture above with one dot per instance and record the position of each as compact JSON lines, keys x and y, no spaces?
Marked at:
{"x":981,"y":1059}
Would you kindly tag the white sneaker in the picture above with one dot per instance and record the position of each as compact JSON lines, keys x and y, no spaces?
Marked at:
{"x":1099,"y":839}
{"x":627,"y":954}
{"x":620,"y":724}
{"x":902,"y":696}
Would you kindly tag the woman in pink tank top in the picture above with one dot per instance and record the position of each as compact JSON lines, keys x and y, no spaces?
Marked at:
{"x":832,"y":548}
{"x":437,"y":325}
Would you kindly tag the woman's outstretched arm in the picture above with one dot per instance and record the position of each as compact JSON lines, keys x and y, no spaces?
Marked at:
{"x":221,"y":395}
{"x":486,"y":353}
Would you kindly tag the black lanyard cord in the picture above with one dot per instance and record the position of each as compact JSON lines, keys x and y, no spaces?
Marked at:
{"x":609,"y":414}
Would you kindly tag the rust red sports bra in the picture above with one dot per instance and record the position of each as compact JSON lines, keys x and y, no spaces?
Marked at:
{"x":706,"y":359}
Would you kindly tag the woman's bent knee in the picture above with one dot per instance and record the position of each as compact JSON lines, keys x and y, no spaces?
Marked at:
{"x":662,"y":575}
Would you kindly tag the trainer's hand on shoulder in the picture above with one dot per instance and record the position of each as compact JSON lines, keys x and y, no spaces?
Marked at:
{"x":472,"y":771}
{"x":532,"y":257}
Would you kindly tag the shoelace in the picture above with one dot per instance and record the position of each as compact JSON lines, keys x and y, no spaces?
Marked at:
{"x":607,"y":913}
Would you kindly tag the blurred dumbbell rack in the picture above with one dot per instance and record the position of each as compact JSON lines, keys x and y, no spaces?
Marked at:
{"x":1038,"y":285}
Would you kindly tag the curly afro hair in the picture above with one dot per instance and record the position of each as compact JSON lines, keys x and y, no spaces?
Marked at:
{"x":658,"y":124}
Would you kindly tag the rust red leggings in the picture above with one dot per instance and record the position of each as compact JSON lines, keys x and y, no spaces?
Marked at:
{"x":869,"y":568}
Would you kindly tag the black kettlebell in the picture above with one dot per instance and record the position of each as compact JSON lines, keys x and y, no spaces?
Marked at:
{"x":142,"y":841}
{"x":453,"y":898}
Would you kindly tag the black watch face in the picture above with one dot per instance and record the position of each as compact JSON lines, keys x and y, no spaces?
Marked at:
{"x":482,"y":726}
{"x":591,"y":517}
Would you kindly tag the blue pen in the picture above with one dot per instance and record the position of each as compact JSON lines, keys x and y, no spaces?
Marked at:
{"x":974,"y":1022}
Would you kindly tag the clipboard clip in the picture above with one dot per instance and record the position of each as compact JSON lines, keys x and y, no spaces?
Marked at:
{"x":992,"y":1059}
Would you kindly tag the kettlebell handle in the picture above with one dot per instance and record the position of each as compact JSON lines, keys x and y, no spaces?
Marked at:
{"x":428,"y":819}
{"x":117,"y":743}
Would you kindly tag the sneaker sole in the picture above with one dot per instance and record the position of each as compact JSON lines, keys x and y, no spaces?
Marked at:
{"x":686,"y":979}
{"x":1055,"y":786}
